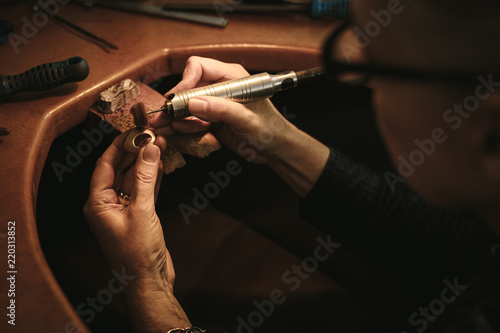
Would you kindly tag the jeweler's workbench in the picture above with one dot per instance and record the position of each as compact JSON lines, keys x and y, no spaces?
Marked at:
{"x":149,"y":48}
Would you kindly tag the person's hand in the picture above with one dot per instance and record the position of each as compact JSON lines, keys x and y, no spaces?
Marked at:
{"x":121,"y":213}
{"x":256,"y":131}
{"x":253,"y":130}
{"x":128,"y":229}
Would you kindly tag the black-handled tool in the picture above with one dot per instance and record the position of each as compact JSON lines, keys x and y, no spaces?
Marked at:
{"x":43,"y":77}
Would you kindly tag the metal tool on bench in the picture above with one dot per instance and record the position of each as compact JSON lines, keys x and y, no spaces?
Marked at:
{"x":77,"y":30}
{"x":316,"y":8}
{"x":158,"y":11}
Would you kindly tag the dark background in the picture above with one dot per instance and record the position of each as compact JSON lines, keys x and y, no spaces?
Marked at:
{"x":235,"y":251}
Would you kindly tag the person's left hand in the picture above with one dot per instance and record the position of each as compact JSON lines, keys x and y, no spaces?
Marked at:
{"x":128,"y":229}
{"x":130,"y":233}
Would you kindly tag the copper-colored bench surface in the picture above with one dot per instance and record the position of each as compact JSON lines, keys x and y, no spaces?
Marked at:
{"x":149,"y":48}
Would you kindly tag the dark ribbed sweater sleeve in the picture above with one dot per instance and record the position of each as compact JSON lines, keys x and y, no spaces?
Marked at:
{"x":391,"y":225}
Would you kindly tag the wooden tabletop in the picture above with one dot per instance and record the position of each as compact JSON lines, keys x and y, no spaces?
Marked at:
{"x":149,"y":48}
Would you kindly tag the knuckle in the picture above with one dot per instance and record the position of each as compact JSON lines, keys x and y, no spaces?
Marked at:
{"x":86,"y":209}
{"x":239,"y":69}
{"x":192,"y":59}
{"x":222,"y":107}
{"x":246,"y":115}
{"x":191,"y":74}
{"x":145,"y":176}
{"x":160,"y":168}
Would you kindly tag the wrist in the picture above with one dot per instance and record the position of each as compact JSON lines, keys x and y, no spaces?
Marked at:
{"x":300,"y":160}
{"x":152,"y":306}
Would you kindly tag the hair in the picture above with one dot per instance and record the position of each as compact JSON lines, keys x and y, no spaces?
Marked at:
{"x":438,"y":33}
{"x":466,"y":8}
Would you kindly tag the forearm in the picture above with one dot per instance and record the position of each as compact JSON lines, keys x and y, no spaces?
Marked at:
{"x":383,"y":224}
{"x":152,"y":307}
{"x":300,"y":161}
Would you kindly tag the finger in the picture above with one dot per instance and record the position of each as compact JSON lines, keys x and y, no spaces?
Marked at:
{"x":161,"y":142}
{"x":193,"y":125}
{"x":103,"y":176}
{"x":126,"y":162}
{"x":191,"y":76}
{"x":205,"y":70}
{"x":127,"y":183}
{"x":146,"y":173}
{"x":158,"y":180}
{"x":160,"y":120}
{"x":165,"y":132}
{"x":124,"y":179}
{"x":201,"y":71}
{"x":215,"y":109}
{"x":212,"y":70}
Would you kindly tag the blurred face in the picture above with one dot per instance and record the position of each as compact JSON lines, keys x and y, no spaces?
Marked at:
{"x":435,"y":133}
{"x":422,"y":133}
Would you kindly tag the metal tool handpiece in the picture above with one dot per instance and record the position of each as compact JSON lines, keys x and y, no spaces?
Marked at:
{"x":246,"y":89}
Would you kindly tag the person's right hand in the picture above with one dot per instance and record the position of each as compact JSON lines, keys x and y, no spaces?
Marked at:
{"x":255,"y":130}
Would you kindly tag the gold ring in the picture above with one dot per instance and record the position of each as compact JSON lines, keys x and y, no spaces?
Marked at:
{"x":137,"y":138}
{"x":123,"y":195}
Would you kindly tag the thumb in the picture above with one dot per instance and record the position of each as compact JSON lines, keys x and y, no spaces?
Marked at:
{"x":146,"y":172}
{"x":215,"y":109}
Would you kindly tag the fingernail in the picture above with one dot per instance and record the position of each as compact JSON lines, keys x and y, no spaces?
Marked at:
{"x":198,"y":106}
{"x":158,"y":139}
{"x":151,"y":153}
